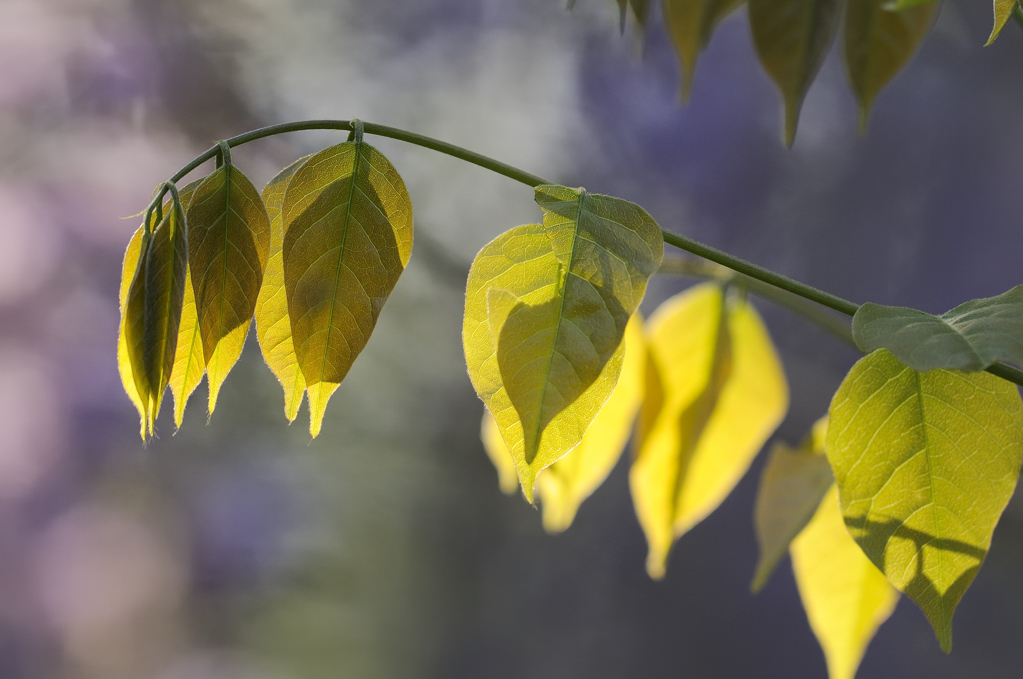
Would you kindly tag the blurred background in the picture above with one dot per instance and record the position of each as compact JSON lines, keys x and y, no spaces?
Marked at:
{"x":238,"y":549}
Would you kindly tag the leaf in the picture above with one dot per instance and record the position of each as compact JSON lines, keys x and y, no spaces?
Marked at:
{"x":124,"y":365}
{"x":347,"y":238}
{"x":560,"y":295}
{"x":1003,"y":10}
{"x":878,"y":43}
{"x":792,"y":37}
{"x":273,"y":325}
{"x":970,"y":337}
{"x":846,"y":598}
{"x":565,"y":484}
{"x":925,"y":463}
{"x":640,"y":10}
{"x":899,"y":5}
{"x":152,"y":310}
{"x":189,"y":361}
{"x":791,"y":488}
{"x":715,"y":393}
{"x":229,"y":240}
{"x":690,"y":24}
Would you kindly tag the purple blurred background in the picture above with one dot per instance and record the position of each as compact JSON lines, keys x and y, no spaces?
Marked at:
{"x":239,"y":549}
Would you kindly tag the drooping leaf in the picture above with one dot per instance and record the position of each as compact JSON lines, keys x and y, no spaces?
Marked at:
{"x":124,"y":365}
{"x":925,"y":463}
{"x":153,"y":310}
{"x":898,"y":5}
{"x":845,"y":597}
{"x":1003,"y":10}
{"x":879,"y":42}
{"x":347,"y":238}
{"x":791,"y":488}
{"x":560,"y":296}
{"x":229,"y":241}
{"x":970,"y":337}
{"x":715,"y":392}
{"x":792,"y":37}
{"x":691,"y":24}
{"x":273,"y":325}
{"x":565,"y":484}
{"x":640,"y":9}
{"x":189,"y":361}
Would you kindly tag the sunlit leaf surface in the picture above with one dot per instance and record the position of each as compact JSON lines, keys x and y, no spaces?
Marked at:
{"x":273,"y":325}
{"x":347,"y":238}
{"x":879,"y":42}
{"x":564,"y":485}
{"x":792,"y":37}
{"x":128,"y":268}
{"x":970,"y":337}
{"x":228,"y":244}
{"x":546,"y":310}
{"x":189,"y":360}
{"x":715,"y":392}
{"x":846,"y":598}
{"x":925,"y":463}
{"x":791,"y":488}
{"x":1003,"y":11}
{"x":691,"y":24}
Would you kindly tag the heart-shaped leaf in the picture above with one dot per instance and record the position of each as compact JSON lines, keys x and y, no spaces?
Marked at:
{"x":925,"y":463}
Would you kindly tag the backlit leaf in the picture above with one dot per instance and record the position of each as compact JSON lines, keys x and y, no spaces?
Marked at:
{"x":273,"y":325}
{"x":925,"y":463}
{"x":792,"y":37}
{"x":229,"y":240}
{"x":128,"y":268}
{"x":560,"y":296}
{"x":189,"y":361}
{"x":347,"y":238}
{"x":970,"y":337}
{"x":879,"y":42}
{"x":153,"y":310}
{"x":690,"y":24}
{"x":791,"y":488}
{"x":715,"y":392}
{"x":1003,"y":10}
{"x":564,"y":485}
{"x":845,"y":597}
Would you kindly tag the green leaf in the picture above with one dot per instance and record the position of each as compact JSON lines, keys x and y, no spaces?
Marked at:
{"x":715,"y":392}
{"x":152,"y":311}
{"x":124,"y":364}
{"x":640,"y":10}
{"x":845,"y":597}
{"x":565,"y":484}
{"x":791,"y":488}
{"x":792,"y":38}
{"x":1003,"y":10}
{"x":273,"y":325}
{"x":899,"y":5}
{"x":560,"y":296}
{"x":691,"y":24}
{"x":878,"y":43}
{"x":189,"y":361}
{"x":347,"y":238}
{"x":970,"y":337}
{"x":229,"y":240}
{"x":925,"y":463}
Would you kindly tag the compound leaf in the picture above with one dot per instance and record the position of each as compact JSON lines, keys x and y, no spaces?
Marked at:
{"x":273,"y":325}
{"x":791,"y":488}
{"x":565,"y":484}
{"x":691,"y":24}
{"x":925,"y":463}
{"x":879,"y":42}
{"x":792,"y":37}
{"x":845,"y":597}
{"x":347,"y":238}
{"x":970,"y":337}
{"x":546,"y":310}
{"x":229,"y":240}
{"x":715,"y":392}
{"x":1003,"y":10}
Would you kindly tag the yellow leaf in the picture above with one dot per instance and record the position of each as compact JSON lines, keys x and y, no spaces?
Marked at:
{"x":791,"y":488}
{"x":347,"y":238}
{"x":715,"y":393}
{"x":1003,"y":10}
{"x":131,"y":260}
{"x":273,"y":325}
{"x":845,"y":597}
{"x":564,"y":485}
{"x":559,"y":297}
{"x":690,"y":24}
{"x":189,"y":362}
{"x":228,"y":243}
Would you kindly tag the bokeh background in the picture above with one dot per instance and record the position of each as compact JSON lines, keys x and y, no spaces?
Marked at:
{"x":238,"y":549}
